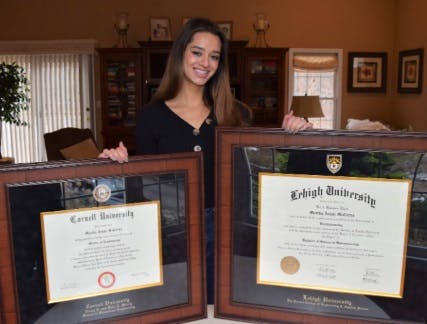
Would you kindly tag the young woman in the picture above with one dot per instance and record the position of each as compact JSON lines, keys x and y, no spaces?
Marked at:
{"x":194,"y":97}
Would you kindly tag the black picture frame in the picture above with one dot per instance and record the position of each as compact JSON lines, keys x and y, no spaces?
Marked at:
{"x":241,"y":155}
{"x":227,"y":28}
{"x":410,"y":73}
{"x":367,"y":72}
{"x":26,"y":190}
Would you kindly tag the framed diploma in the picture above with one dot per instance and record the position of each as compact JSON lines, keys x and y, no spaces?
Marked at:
{"x":321,"y":226}
{"x":98,"y":241}
{"x":333,"y":233}
{"x":100,"y":250}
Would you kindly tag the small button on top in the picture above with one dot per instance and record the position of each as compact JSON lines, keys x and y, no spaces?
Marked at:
{"x":196,"y":132}
{"x":208,"y":121}
{"x":197,"y":148}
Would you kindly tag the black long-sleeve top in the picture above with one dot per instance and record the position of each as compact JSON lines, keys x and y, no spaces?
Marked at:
{"x":159,"y":130}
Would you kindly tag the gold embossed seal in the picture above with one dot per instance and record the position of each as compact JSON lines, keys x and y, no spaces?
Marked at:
{"x":289,"y":265}
{"x":101,"y":193}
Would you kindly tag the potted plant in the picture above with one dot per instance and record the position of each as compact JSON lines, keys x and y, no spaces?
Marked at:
{"x":14,"y":94}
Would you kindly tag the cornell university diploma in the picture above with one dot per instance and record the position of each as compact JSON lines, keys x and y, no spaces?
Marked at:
{"x":101,"y":250}
{"x":333,"y":233}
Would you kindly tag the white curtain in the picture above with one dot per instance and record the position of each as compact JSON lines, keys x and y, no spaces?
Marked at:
{"x":61,"y":92}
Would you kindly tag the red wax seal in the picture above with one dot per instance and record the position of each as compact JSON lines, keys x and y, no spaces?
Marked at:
{"x":106,"y":279}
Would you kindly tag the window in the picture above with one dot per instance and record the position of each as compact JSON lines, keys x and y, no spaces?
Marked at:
{"x":393,"y":165}
{"x":318,"y":72}
{"x":60,"y":78}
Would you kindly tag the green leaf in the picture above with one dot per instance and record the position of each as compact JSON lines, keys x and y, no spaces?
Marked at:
{"x":14,"y":93}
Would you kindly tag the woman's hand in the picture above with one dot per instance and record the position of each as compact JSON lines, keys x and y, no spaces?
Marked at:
{"x":295,"y":124}
{"x":119,"y":154}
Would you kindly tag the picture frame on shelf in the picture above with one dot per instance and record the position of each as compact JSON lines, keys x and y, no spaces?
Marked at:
{"x":256,"y":67}
{"x":226,"y":27}
{"x":160,"y":29}
{"x":185,"y":20}
{"x":410,"y":73}
{"x":367,"y":72}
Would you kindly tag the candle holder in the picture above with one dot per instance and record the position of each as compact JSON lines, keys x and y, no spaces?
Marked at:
{"x":261,"y":26}
{"x":122,"y":27}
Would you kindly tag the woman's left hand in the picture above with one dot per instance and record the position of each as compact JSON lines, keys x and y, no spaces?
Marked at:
{"x":295,"y":124}
{"x":119,"y":154}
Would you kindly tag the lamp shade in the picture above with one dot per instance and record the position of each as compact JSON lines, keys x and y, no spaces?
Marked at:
{"x":307,"y":106}
{"x":122,"y":20}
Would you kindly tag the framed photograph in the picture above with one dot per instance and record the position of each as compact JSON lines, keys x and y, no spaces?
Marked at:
{"x":226,"y":27}
{"x":185,"y":20}
{"x":160,"y":29}
{"x":286,"y":244}
{"x":410,"y":76}
{"x":367,"y":72}
{"x":98,"y":241}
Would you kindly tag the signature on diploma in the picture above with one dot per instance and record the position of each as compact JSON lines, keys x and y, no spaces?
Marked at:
{"x":326,"y":271}
{"x":371,"y":275}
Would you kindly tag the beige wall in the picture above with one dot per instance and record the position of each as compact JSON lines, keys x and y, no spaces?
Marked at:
{"x":411,"y":109}
{"x":353,"y":25}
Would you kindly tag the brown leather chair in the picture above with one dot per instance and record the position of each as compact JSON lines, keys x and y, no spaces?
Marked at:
{"x":245,"y":112}
{"x":69,"y":138}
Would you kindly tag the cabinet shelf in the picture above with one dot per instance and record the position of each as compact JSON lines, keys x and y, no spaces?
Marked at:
{"x":262,"y":75}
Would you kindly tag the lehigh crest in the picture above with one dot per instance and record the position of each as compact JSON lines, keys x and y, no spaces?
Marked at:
{"x":334,"y":162}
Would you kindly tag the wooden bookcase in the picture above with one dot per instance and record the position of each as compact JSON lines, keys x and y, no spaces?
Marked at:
{"x":264,"y":87}
{"x":121,"y":98}
{"x":129,"y":77}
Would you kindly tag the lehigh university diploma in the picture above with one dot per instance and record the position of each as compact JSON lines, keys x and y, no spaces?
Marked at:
{"x":333,"y":233}
{"x":101,"y":250}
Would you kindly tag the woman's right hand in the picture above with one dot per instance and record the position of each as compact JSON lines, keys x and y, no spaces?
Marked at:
{"x":295,"y":124}
{"x":119,"y":154}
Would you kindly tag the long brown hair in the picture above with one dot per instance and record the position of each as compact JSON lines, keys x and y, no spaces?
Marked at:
{"x":217,"y":92}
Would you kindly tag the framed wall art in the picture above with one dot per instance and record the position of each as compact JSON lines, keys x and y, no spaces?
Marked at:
{"x":410,"y":74}
{"x":367,"y":72}
{"x":285,"y":244}
{"x":226,"y":27}
{"x":160,"y":29}
{"x":98,"y":241}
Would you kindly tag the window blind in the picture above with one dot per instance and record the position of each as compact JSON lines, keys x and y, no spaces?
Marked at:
{"x":61,"y":95}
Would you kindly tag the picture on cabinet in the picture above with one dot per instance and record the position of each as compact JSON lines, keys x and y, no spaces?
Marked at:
{"x":185,"y":20}
{"x":160,"y":29}
{"x":226,"y":27}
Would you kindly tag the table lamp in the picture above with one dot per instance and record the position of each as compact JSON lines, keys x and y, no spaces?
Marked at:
{"x":307,"y":107}
{"x":261,"y":26}
{"x":122,"y":27}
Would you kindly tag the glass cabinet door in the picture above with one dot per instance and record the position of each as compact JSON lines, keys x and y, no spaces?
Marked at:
{"x":121,"y":92}
{"x":155,"y":60}
{"x":265,"y":85}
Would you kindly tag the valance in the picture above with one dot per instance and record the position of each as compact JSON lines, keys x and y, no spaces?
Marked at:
{"x":315,"y":62}
{"x":78,"y":46}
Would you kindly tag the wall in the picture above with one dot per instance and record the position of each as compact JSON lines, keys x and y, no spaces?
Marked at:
{"x":353,"y":25}
{"x":410,"y":110}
